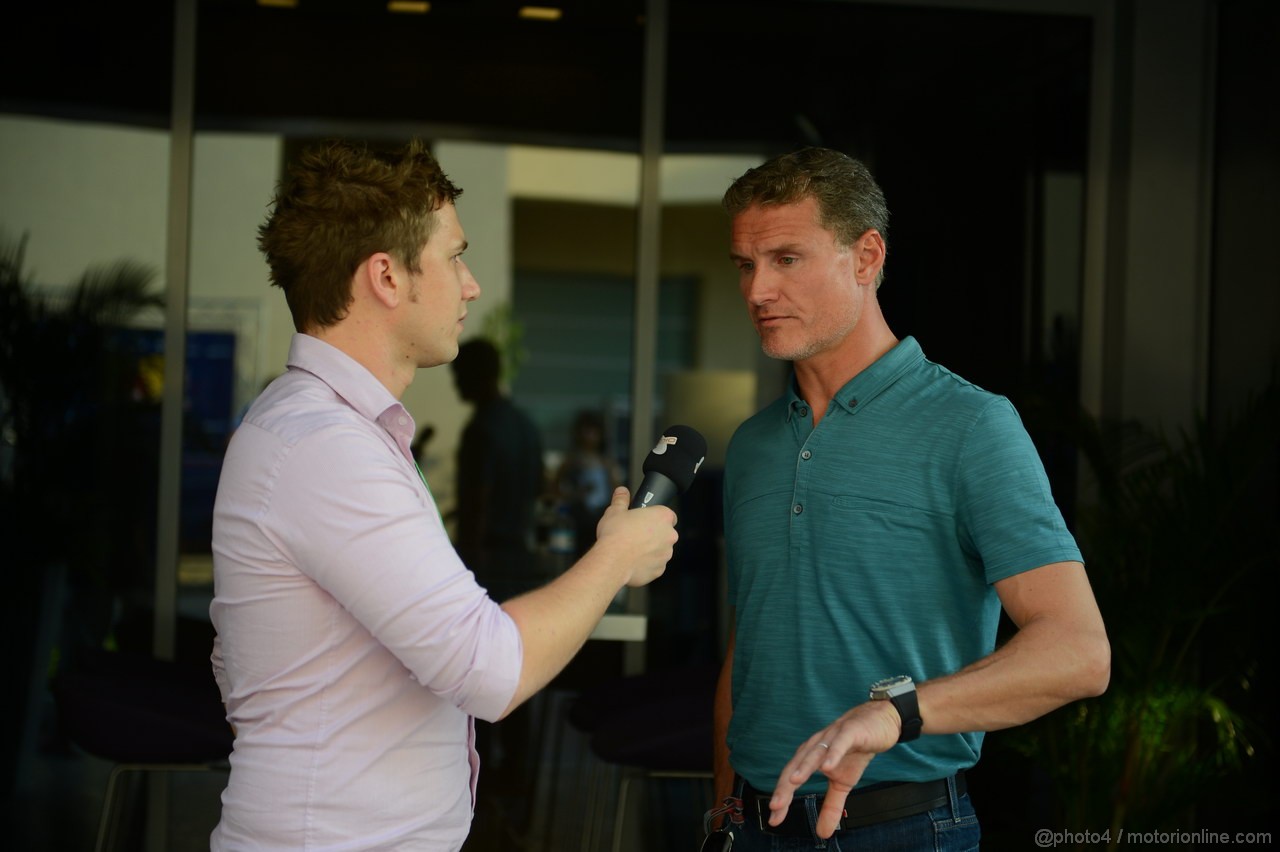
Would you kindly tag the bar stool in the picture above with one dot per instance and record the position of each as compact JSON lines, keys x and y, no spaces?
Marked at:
{"x":656,"y":726}
{"x":145,"y":715}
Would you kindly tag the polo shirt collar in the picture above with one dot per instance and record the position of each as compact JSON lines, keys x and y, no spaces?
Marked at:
{"x":868,"y":384}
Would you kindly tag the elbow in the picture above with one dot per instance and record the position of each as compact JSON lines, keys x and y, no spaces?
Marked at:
{"x":1095,"y":668}
{"x":516,"y":700}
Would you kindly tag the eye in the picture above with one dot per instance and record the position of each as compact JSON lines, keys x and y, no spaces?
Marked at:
{"x":746,"y":266}
{"x":787,"y":260}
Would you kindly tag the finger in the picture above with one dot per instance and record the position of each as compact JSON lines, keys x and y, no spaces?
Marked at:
{"x":672,"y":517}
{"x":832,"y":810}
{"x":797,"y":771}
{"x":780,"y":802}
{"x":812,"y":755}
{"x":621,"y":497}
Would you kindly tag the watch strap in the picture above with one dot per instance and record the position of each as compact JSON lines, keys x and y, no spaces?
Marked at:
{"x":908,"y":706}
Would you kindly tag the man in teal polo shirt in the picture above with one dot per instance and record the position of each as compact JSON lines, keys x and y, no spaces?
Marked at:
{"x":877,"y":517}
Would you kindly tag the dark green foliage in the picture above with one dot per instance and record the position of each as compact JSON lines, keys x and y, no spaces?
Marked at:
{"x":59,"y":386}
{"x":1180,"y":538}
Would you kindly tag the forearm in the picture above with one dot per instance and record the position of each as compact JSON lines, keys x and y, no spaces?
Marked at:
{"x":1042,"y":668}
{"x":632,"y":548}
{"x":556,"y":620}
{"x":1047,"y":663}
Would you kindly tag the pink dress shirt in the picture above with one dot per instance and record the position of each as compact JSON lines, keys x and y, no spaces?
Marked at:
{"x":353,"y":647}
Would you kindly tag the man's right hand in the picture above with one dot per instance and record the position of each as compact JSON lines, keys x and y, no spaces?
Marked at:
{"x":640,"y":538}
{"x":632,"y":547}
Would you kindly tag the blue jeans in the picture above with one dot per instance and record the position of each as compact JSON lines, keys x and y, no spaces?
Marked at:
{"x":950,"y":828}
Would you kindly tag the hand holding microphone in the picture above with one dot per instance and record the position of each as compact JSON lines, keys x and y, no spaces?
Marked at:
{"x":646,"y":538}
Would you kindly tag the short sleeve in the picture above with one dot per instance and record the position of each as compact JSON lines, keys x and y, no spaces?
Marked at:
{"x":1006,"y":510}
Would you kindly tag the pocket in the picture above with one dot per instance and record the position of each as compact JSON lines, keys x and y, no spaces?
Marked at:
{"x":887,"y":536}
{"x":951,"y":835}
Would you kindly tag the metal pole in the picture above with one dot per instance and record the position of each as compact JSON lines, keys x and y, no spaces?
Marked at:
{"x":648,"y":249}
{"x":177,"y":255}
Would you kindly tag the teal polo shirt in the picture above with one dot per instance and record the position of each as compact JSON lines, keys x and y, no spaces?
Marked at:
{"x":867,"y":548}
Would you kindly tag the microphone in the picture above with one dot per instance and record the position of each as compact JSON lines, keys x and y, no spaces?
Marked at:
{"x":670,"y":466}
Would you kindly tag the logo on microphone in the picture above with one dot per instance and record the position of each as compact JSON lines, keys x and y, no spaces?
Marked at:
{"x":665,"y":441}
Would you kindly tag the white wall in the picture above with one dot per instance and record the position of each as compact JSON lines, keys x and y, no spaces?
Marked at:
{"x":84,"y":193}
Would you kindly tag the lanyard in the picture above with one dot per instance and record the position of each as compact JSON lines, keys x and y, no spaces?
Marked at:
{"x":418,"y":468}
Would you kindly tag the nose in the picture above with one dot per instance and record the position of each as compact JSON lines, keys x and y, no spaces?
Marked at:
{"x":758,"y":287}
{"x":470,"y":286}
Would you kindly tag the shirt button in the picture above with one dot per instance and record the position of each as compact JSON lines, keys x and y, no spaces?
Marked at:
{"x":853,"y":402}
{"x":806,"y":455}
{"x":804,"y":412}
{"x":798,"y":508}
{"x":403,"y":421}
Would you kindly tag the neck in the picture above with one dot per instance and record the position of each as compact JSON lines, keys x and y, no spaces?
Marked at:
{"x":819,"y":378}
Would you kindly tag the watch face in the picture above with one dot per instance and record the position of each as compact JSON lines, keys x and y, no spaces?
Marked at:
{"x":889,"y":683}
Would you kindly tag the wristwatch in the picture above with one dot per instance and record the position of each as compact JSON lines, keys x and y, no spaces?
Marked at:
{"x":901,"y":691}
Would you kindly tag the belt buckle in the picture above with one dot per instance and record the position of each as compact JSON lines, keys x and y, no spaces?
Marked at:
{"x":761,"y":810}
{"x":797,"y":803}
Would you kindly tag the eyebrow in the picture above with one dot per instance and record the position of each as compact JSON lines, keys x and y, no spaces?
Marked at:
{"x":785,"y":248}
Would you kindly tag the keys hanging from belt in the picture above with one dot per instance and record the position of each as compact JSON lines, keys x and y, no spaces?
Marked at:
{"x":720,"y":839}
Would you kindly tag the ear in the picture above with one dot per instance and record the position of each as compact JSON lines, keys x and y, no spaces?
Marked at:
{"x":383,"y":279}
{"x":869,"y":252}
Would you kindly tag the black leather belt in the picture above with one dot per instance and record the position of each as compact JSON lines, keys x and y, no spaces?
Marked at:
{"x":879,"y":803}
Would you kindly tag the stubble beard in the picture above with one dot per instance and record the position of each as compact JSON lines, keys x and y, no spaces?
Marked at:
{"x":819,"y":338}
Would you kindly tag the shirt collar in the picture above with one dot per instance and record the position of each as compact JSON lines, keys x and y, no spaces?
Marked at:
{"x":869,"y":383}
{"x":352,"y":381}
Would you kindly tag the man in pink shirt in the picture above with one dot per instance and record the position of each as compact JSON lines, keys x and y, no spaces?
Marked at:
{"x":353,"y":647}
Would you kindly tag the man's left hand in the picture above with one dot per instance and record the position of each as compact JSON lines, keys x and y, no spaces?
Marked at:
{"x":841,"y":751}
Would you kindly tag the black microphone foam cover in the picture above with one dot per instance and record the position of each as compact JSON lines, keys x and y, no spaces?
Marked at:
{"x":677,"y":456}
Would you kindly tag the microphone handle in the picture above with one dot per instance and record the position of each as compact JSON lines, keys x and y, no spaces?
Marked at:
{"x":654,"y":490}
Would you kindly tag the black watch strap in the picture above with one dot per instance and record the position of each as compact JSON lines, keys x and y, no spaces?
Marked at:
{"x":908,"y":707}
{"x":900,"y":690}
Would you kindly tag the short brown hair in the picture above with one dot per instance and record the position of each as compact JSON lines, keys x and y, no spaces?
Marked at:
{"x":339,"y":204}
{"x":850,"y":202}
